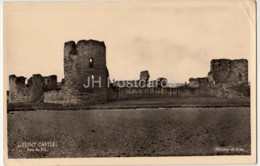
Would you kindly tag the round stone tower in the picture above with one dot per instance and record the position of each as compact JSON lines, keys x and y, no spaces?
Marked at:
{"x":85,"y":70}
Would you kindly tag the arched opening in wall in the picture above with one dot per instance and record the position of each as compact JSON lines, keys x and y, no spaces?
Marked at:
{"x":239,"y":77}
{"x":91,"y":63}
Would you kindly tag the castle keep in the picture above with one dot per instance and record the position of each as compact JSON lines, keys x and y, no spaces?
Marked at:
{"x":86,"y":80}
{"x":84,"y":66}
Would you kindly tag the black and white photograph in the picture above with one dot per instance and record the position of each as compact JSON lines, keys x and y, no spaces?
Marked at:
{"x":126,"y":80}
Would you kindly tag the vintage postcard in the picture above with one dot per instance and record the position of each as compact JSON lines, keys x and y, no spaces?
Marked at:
{"x":122,"y":83}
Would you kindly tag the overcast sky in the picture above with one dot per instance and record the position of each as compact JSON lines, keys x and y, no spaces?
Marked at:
{"x":174,"y":40}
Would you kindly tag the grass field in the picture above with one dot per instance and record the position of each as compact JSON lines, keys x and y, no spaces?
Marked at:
{"x":138,"y":103}
{"x":131,"y":132}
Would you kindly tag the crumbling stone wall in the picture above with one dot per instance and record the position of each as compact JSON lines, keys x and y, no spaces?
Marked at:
{"x":67,"y":92}
{"x":220,"y":90}
{"x":232,"y":90}
{"x":229,"y":71}
{"x":157,"y":92}
{"x":18,"y":91}
{"x":36,"y":91}
{"x":211,"y":80}
{"x":60,"y":97}
{"x":50,"y":82}
{"x":113,"y":93}
{"x":198,"y":82}
{"x":21,"y":92}
{"x":160,"y":82}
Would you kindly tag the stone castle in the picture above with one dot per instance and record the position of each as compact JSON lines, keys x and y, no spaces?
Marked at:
{"x":85,"y":63}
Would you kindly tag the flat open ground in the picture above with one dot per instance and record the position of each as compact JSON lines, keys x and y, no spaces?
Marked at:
{"x":131,"y":132}
{"x":138,"y":103}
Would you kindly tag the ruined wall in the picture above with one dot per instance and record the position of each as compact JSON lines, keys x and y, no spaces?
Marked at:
{"x":50,"y":82}
{"x":113,"y":93}
{"x":18,"y":91}
{"x":198,"y":82}
{"x":36,"y":91}
{"x":193,"y":82}
{"x":70,"y":71}
{"x":160,"y":82}
{"x":232,"y":90}
{"x":222,"y":90}
{"x":60,"y":97}
{"x":229,"y":71}
{"x":21,"y":92}
{"x":67,"y":92}
{"x":135,"y":93}
{"x":211,"y":80}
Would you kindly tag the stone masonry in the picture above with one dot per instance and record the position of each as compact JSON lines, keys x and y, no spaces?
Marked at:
{"x":86,"y":80}
{"x":21,"y":92}
{"x":229,"y":71}
{"x":86,"y":74}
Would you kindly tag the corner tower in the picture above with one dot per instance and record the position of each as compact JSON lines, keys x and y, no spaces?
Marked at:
{"x":229,"y":71}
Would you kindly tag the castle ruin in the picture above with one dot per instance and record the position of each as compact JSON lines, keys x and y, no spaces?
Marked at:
{"x":86,"y":80}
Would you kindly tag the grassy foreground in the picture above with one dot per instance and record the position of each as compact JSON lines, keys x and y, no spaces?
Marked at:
{"x":130,"y":132}
{"x":138,"y":103}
